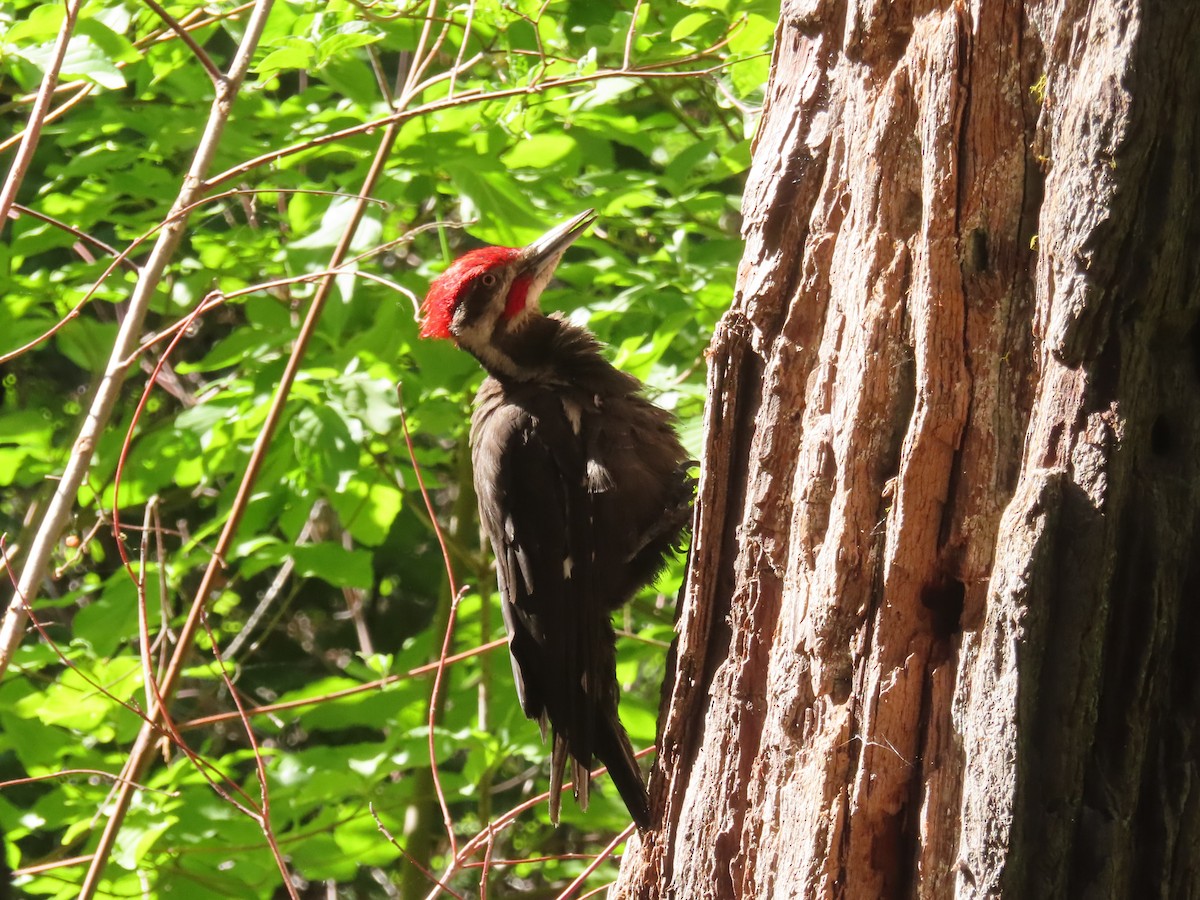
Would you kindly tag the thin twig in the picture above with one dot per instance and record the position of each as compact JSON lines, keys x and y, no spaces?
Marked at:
{"x":19,"y":210}
{"x":184,"y":35}
{"x":97,"y":773}
{"x":37,"y":116}
{"x":418,"y":57}
{"x":262,"y":815}
{"x":507,"y":819}
{"x":176,"y":218}
{"x":53,"y":864}
{"x":487,"y":863}
{"x":653,"y":70}
{"x":383,"y":829}
{"x":630,"y":35}
{"x":100,"y":413}
{"x":462,"y":48}
{"x":531,"y":860}
{"x":595,"y":892}
{"x":140,"y":753}
{"x":455,"y":597}
{"x":164,"y":605}
{"x":604,"y":854}
{"x":271,"y":708}
{"x":82,"y":89}
{"x":148,"y":680}
{"x":213,"y":19}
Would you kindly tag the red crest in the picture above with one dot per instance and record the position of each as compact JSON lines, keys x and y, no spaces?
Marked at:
{"x":448,"y":288}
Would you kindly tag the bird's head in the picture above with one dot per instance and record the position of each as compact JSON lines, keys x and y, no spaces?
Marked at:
{"x":488,"y":293}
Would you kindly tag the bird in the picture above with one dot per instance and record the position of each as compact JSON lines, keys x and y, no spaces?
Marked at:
{"x":583,"y":489}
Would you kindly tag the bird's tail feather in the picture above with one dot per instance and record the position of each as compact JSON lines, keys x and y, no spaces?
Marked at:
{"x":581,"y":778}
{"x":614,"y":750}
{"x":616,"y":753}
{"x":558,"y":761}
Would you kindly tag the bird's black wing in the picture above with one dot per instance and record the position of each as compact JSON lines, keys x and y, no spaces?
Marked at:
{"x":538,"y":512}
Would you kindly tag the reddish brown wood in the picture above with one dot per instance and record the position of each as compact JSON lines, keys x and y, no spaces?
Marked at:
{"x":938,"y":635}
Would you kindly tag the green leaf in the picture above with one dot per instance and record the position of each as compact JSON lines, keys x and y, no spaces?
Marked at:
{"x":752,"y":37}
{"x":40,"y":23}
{"x":112,"y":617}
{"x":367,"y":509}
{"x":690,"y":24}
{"x":319,"y":858}
{"x":748,"y":76}
{"x":115,"y":46}
{"x":323,"y":445}
{"x":335,"y":564}
{"x":297,"y":54}
{"x":135,"y":841}
{"x":240,"y":347}
{"x":337,"y":45}
{"x":333,"y":225}
{"x":85,"y":342}
{"x":85,"y":59}
{"x":83,"y":700}
{"x":540,"y":151}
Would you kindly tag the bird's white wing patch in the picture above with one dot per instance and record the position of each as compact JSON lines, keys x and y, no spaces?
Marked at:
{"x":598,"y":478}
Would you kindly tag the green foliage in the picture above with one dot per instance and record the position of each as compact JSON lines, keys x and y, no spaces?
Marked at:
{"x":336,"y":588}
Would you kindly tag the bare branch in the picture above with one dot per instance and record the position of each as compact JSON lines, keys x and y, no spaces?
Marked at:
{"x":101,"y":410}
{"x":16,"y":172}
{"x":184,"y":35}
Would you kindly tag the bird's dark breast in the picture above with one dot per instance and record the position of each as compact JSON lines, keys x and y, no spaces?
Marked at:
{"x":622,"y":451}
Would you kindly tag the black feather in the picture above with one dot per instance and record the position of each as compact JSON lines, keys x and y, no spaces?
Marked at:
{"x":583,"y":490}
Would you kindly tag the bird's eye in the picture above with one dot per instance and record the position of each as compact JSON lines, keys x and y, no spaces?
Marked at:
{"x":488,"y":279}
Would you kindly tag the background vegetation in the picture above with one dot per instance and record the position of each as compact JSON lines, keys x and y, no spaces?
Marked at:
{"x":300,"y":760}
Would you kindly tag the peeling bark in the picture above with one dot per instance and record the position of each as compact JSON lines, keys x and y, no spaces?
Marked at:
{"x":938,"y":636}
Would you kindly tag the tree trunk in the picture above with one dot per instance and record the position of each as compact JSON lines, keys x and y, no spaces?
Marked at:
{"x":939,"y":636}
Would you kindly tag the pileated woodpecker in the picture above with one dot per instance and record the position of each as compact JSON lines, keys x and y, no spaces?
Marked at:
{"x":583,"y":489}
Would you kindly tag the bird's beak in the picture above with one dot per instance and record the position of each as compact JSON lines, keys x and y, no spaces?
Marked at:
{"x":541,"y":257}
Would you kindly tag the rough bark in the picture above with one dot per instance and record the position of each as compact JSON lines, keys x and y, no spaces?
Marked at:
{"x":938,"y":636}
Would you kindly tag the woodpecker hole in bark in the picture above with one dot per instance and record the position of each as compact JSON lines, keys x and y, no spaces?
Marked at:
{"x":975,"y":259}
{"x":944,"y":599}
